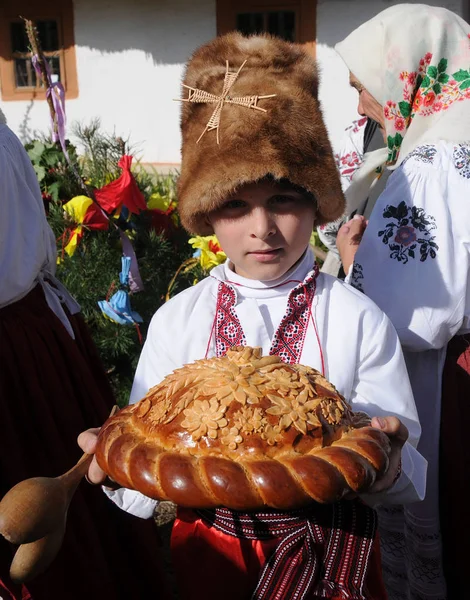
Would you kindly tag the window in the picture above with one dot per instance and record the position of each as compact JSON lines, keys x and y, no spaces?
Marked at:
{"x":292,"y":20}
{"x":280,"y":23}
{"x":54,"y":22}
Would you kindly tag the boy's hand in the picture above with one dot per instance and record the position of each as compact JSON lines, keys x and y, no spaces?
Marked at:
{"x":348,"y":239}
{"x":87,"y":441}
{"x":398,"y":434}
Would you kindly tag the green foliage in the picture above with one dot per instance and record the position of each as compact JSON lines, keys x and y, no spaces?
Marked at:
{"x":405,"y":108}
{"x":54,"y":173}
{"x":101,"y":153}
{"x":91,"y":274}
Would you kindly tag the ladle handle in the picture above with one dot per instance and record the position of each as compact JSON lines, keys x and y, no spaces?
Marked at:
{"x":73,"y":476}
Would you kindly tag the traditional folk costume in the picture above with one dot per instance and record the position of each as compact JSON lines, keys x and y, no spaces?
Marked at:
{"x":413,"y":261}
{"x":325,"y":551}
{"x":52,"y":387}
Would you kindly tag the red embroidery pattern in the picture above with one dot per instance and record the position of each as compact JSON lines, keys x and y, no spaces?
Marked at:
{"x":288,"y":341}
{"x":228,"y":329}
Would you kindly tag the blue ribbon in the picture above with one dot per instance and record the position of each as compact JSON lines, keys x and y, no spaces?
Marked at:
{"x":118,"y":307}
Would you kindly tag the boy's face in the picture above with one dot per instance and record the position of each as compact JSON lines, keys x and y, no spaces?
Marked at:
{"x":264,"y":229}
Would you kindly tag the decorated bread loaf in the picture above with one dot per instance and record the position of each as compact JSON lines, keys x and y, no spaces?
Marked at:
{"x":243,"y":431}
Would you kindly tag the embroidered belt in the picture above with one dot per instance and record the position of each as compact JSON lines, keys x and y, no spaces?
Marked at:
{"x":323,"y":550}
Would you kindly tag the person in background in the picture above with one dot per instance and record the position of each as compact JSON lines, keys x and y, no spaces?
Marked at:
{"x":52,"y":386}
{"x":356,"y":141}
{"x":410,"y":66}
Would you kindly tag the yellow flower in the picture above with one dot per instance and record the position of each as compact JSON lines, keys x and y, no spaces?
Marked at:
{"x":211,"y":253}
{"x":249,"y":420}
{"x":204,"y":418}
{"x":297,"y":412}
{"x":231,"y":437}
{"x":159,"y":202}
{"x":272,"y":435}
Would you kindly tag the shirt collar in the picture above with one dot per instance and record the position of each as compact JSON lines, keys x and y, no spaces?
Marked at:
{"x":253,"y":288}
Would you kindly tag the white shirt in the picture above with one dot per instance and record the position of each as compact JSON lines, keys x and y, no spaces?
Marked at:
{"x":27,"y":244}
{"x":361,"y":351}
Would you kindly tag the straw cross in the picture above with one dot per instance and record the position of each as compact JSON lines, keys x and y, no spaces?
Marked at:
{"x":203,"y":97}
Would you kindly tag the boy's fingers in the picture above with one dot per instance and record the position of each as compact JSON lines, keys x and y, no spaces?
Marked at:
{"x":96,"y":475}
{"x":87,"y":440}
{"x":392,"y":426}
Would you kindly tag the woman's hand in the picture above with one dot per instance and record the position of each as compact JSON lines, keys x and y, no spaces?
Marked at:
{"x":398,"y":434}
{"x":87,"y":441}
{"x":348,"y":239}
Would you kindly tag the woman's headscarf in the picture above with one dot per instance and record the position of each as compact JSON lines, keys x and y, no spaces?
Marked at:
{"x":415,"y":61}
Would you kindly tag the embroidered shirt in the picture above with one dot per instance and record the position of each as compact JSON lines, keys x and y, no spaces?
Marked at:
{"x":362,"y":355}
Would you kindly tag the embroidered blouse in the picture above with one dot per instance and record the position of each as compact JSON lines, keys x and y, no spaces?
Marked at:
{"x":414,"y":262}
{"x":414,"y":258}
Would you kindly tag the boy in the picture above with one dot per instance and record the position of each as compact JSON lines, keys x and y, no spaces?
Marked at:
{"x":258,"y":171}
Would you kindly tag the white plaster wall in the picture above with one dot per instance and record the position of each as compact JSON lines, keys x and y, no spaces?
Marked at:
{"x":335,"y":20}
{"x":130,"y":56}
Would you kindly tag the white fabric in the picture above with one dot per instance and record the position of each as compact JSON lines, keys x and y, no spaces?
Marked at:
{"x":348,"y":160}
{"x":27,"y":244}
{"x":382,"y":53}
{"x":362,"y":355}
{"x":428,"y":301}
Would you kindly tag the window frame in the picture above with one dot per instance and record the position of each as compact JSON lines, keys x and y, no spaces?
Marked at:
{"x":305,"y":15}
{"x":60,"y":11}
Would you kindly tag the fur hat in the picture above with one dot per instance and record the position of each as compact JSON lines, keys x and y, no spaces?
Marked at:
{"x":240,"y":143}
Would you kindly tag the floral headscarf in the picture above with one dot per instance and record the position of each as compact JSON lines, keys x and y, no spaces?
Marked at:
{"x":415,"y":61}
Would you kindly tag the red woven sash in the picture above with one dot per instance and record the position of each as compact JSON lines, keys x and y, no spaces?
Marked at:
{"x":323,"y":551}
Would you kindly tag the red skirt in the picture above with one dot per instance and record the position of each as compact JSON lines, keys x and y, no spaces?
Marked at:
{"x":212,"y":565}
{"x":51,"y":389}
{"x":454,"y":468}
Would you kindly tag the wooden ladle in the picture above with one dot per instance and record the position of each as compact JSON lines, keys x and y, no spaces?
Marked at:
{"x":36,"y":507}
{"x":33,"y":515}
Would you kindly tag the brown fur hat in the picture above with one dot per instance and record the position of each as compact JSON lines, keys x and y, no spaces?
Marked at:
{"x":289,"y":141}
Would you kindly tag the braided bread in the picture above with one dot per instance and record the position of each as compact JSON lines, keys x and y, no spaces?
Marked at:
{"x":245,"y":432}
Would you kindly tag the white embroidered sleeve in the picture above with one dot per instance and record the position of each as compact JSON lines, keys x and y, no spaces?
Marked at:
{"x":383,"y":389}
{"x":413,"y":260}
{"x":154,"y":364}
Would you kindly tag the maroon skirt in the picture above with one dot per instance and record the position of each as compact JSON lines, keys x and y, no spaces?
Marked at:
{"x":51,"y":389}
{"x":454,"y":474}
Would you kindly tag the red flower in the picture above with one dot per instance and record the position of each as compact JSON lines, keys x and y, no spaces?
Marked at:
{"x":350,"y":159}
{"x":417,"y":101}
{"x":400,"y":123}
{"x":389,"y":103}
{"x":412,"y":78}
{"x":428,"y":57}
{"x":429,"y":98}
{"x":438,"y":106}
{"x":214,"y":247}
{"x":387,"y":112}
{"x":405,"y":236}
